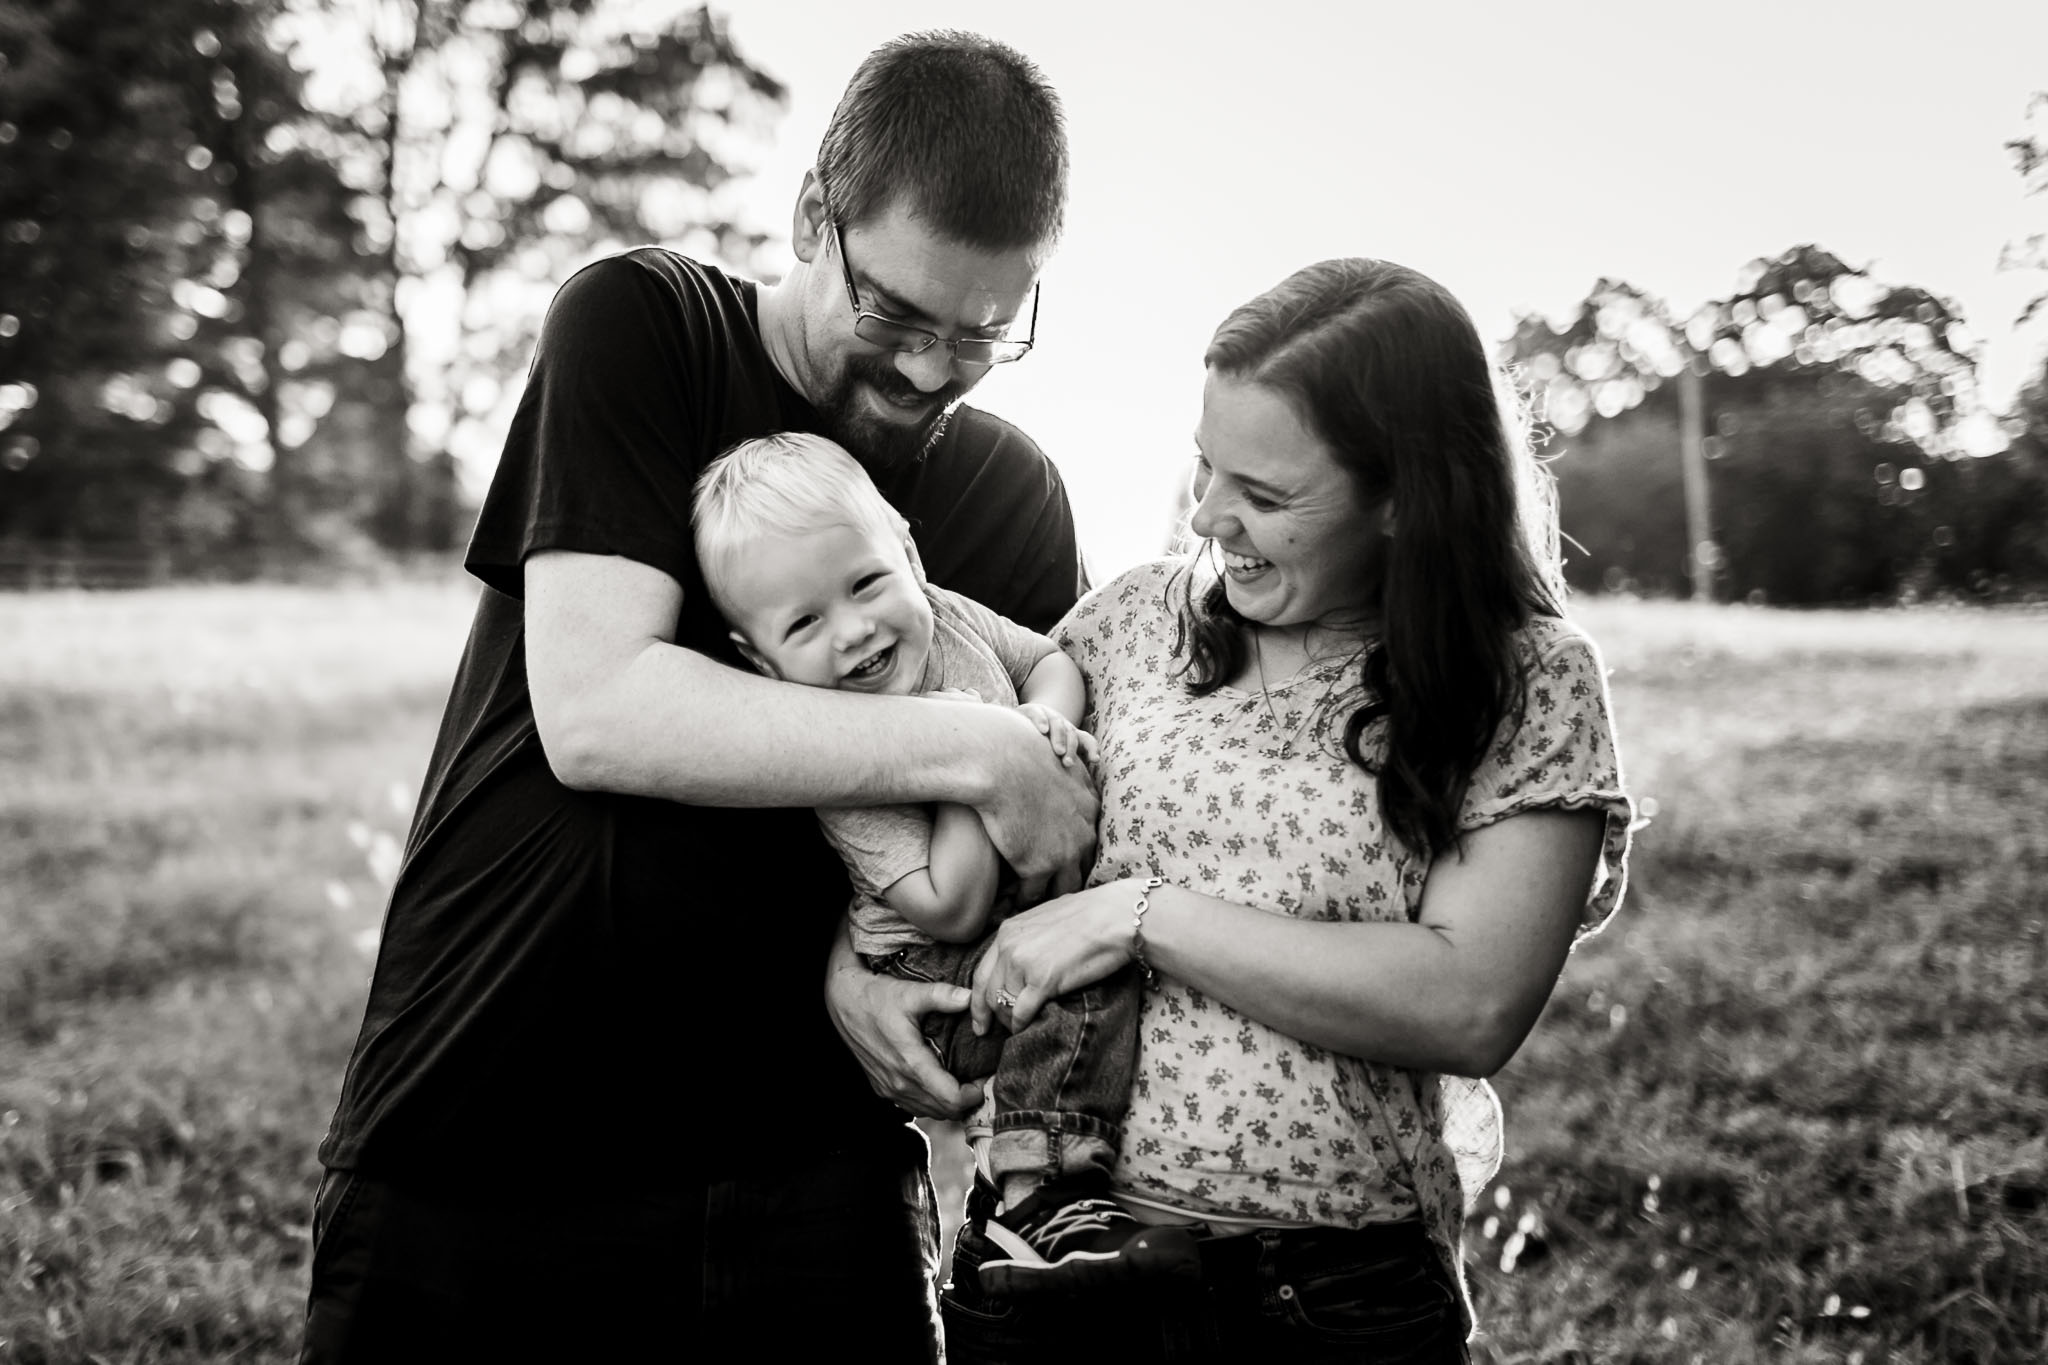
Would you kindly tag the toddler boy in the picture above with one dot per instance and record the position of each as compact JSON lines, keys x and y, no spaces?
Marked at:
{"x":820,"y":582}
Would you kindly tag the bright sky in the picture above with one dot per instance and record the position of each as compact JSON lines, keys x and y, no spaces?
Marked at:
{"x":1515,"y":152}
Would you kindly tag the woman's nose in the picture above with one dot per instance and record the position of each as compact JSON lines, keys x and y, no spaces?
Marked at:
{"x":1207,"y":520}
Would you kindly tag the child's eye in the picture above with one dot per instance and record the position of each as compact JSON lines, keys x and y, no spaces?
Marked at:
{"x":799,"y":626}
{"x":867,"y":581}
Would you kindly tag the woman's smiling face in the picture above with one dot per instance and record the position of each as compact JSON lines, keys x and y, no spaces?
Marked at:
{"x":1299,"y":544}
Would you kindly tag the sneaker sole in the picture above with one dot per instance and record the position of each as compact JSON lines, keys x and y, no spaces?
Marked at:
{"x":1161,"y":1256}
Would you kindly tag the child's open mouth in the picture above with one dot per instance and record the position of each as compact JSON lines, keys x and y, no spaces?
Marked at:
{"x":874,"y":664}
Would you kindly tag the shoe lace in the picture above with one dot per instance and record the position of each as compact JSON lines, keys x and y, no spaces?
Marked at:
{"x":1083,"y":1215}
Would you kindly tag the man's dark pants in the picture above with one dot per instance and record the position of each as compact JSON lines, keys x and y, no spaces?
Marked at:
{"x":830,"y":1246}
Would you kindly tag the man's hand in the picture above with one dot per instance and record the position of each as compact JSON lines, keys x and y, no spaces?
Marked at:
{"x":878,"y":1017}
{"x":1069,"y":741}
{"x":1039,"y":813}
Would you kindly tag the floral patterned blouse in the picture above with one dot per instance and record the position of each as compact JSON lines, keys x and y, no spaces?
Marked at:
{"x":1249,"y":797}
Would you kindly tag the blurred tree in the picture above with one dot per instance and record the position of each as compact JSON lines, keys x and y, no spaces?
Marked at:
{"x":2030,"y":158}
{"x":1849,"y":456}
{"x":503,"y":143}
{"x":107,"y":213}
{"x":267,"y":266}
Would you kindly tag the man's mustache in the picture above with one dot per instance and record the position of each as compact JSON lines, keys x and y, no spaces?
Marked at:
{"x":886,"y":379}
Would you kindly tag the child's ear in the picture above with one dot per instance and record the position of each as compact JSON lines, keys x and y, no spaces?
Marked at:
{"x":755,"y":657}
{"x":916,"y":564}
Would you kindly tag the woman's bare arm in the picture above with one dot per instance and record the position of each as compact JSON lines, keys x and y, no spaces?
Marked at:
{"x":1456,"y":992}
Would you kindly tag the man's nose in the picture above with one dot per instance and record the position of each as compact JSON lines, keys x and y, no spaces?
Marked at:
{"x":930,"y":369}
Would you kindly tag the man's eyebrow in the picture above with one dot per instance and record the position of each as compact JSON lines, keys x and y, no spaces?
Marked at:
{"x":890,"y":301}
{"x":903,"y":310}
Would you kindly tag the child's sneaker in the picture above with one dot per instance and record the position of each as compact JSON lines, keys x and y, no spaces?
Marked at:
{"x":1064,"y":1241}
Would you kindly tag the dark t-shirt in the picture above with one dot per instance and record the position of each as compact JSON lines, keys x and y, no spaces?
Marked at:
{"x":606,"y":984}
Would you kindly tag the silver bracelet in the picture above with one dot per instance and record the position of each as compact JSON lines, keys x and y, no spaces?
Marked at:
{"x":1138,"y":928}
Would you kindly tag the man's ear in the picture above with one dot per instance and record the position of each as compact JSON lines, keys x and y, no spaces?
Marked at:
{"x":755,"y":656}
{"x":807,"y":223}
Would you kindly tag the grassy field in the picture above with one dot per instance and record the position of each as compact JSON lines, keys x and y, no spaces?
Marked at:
{"x":1791,"y":1107}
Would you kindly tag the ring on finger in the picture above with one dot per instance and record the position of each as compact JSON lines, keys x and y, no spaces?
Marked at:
{"x":1005,"y":1000}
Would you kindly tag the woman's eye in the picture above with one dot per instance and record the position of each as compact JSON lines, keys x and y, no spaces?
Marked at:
{"x":1259,"y":501}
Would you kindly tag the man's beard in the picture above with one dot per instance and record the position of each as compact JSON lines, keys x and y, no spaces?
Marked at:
{"x":850,"y":419}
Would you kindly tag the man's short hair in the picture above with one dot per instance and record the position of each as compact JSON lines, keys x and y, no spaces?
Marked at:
{"x":965,"y":131}
{"x":789,"y":484}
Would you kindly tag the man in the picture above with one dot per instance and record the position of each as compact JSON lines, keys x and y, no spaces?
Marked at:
{"x":583,"y":1116}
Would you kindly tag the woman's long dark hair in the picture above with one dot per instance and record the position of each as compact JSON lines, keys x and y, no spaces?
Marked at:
{"x":1386,"y":368}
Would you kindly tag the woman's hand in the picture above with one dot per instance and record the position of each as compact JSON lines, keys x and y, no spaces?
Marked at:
{"x":879,"y":1019}
{"x":1051,"y":949}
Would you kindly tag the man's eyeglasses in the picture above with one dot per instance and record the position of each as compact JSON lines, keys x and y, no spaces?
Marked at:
{"x":891,"y":335}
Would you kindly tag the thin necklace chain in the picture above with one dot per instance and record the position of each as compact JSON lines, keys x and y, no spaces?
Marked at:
{"x":1266,"y":694}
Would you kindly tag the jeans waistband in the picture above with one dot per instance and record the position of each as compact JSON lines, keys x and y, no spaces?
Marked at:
{"x":1374,"y":1242}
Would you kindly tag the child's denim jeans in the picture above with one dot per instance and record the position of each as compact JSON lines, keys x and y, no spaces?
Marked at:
{"x":1062,"y":1084}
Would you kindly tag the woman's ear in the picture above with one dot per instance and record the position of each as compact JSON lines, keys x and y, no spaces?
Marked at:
{"x":755,"y":657}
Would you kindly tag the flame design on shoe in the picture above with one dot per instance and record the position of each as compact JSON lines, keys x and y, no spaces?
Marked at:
{"x":1081,"y":1245}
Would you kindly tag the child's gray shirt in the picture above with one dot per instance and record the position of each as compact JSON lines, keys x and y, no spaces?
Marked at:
{"x":973,"y":649}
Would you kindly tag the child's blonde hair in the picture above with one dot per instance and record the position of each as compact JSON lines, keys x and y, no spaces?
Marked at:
{"x":792,"y":483}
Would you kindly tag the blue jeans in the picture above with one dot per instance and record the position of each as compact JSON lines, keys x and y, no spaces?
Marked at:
{"x":779,"y":1263}
{"x":1375,"y":1294}
{"x":1062,"y":1085}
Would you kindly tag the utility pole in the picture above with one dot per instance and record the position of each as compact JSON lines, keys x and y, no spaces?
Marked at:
{"x":1702,"y":555}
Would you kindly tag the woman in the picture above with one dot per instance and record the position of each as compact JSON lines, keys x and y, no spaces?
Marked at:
{"x":1359,"y":798}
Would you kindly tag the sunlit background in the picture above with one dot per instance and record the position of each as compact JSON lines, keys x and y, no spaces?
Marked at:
{"x":270,"y":275}
{"x":1518,"y":153}
{"x":324,"y":286}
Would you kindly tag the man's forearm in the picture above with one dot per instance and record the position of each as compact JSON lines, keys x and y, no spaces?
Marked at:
{"x":679,"y":725}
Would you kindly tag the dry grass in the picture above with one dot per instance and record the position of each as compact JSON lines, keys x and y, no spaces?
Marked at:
{"x":1791,"y":1107}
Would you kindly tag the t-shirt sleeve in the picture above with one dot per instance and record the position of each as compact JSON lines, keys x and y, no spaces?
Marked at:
{"x":1062,"y":574}
{"x":596,"y":458}
{"x":880,"y":845}
{"x":1018,"y":650}
{"x":1559,"y":753}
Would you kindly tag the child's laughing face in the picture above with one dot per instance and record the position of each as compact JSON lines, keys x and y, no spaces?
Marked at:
{"x":843,"y":607}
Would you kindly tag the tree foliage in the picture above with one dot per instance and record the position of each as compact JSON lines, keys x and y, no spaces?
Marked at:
{"x":2030,"y":158}
{"x":1849,"y":457}
{"x":267,"y":267}
{"x":126,"y":359}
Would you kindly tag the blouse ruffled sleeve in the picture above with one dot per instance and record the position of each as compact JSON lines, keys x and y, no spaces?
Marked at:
{"x":1559,"y":752}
